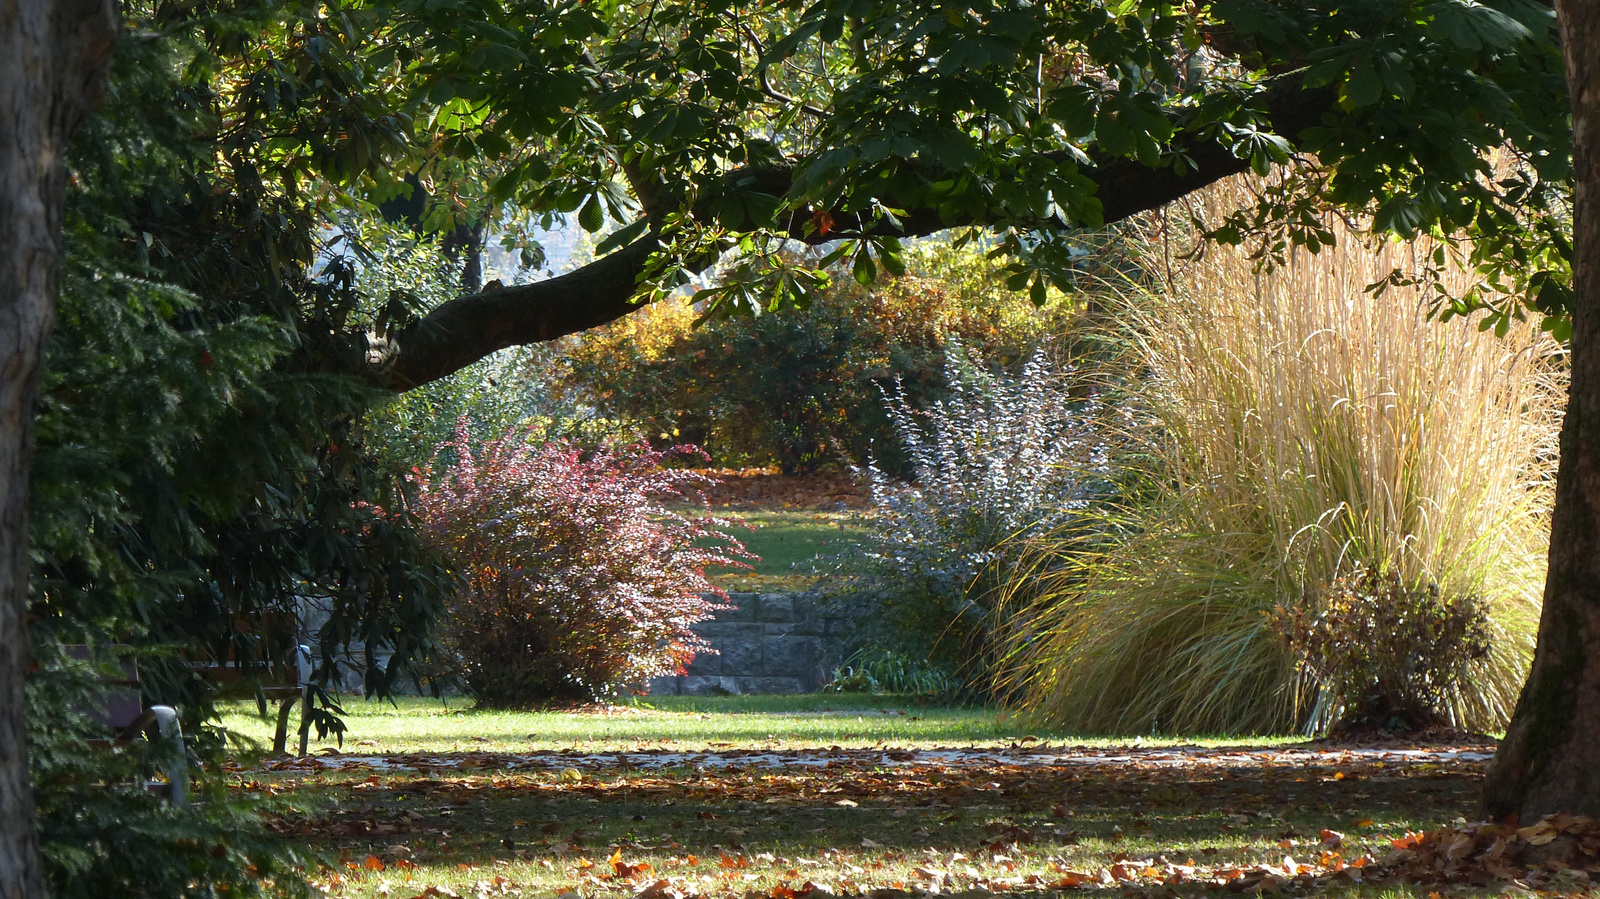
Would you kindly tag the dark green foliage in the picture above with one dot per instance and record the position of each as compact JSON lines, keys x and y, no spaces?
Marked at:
{"x":1447,"y":115}
{"x":197,"y":471}
{"x":1389,"y":651}
{"x":105,"y":834}
{"x":197,"y":468}
{"x":873,"y":669}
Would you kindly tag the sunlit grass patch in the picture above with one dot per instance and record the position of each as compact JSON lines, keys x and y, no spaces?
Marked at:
{"x":787,"y":542}
{"x":412,"y":724}
{"x":420,"y":725}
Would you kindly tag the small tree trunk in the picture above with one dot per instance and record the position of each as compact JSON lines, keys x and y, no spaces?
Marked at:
{"x":1550,"y":758}
{"x":53,"y":58}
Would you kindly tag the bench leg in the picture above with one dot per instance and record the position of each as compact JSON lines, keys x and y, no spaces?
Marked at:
{"x":280,"y":737}
{"x":170,"y":755}
{"x":305,"y":723}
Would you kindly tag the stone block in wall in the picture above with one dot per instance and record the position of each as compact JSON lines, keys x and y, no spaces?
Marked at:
{"x":731,"y":631}
{"x":665,"y":685}
{"x":744,"y":608}
{"x":775,"y":607}
{"x":805,"y":608}
{"x":767,"y":685}
{"x":792,"y":656}
{"x":743,"y":656}
{"x":770,"y":643}
{"x":704,"y":664}
{"x":808,"y":627}
{"x":709,"y":686}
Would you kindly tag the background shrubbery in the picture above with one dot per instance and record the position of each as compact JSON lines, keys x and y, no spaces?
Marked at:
{"x":576,"y":580}
{"x":873,"y":669}
{"x":1106,"y":544}
{"x":1002,"y":457}
{"x":1386,"y":651}
{"x":801,"y":388}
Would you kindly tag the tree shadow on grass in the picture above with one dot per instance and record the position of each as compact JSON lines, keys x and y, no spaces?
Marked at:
{"x":857,"y":816}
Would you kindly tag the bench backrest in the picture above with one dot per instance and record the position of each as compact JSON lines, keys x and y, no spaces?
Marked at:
{"x":271,"y":677}
{"x":119,"y":703}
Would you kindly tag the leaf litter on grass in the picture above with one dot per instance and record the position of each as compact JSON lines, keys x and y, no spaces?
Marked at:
{"x":893,"y":823}
{"x":767,"y":488}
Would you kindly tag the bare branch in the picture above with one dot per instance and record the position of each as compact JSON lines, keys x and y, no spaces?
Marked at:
{"x":766,"y":81}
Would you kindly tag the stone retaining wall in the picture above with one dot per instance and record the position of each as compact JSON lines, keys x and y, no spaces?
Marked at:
{"x":769,"y":643}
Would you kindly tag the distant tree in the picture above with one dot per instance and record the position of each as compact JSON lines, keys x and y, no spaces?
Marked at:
{"x":805,"y":387}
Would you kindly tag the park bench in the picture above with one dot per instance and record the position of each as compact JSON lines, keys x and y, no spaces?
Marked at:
{"x":284,"y":680}
{"x":121,"y":710}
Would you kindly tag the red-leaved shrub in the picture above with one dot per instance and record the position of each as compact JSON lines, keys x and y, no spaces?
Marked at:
{"x":576,"y":579}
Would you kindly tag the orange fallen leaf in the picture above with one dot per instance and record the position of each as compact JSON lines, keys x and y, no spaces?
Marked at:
{"x":1070,"y":880}
{"x":1407,"y":841}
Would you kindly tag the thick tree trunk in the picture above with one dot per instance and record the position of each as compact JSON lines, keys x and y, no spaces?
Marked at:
{"x":1550,"y":758}
{"x":53,"y":57}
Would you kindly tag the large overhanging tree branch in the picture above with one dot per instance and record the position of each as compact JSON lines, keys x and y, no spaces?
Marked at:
{"x":897,"y":119}
{"x":462,"y":331}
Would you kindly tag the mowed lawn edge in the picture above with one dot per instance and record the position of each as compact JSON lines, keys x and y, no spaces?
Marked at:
{"x":409,"y":725}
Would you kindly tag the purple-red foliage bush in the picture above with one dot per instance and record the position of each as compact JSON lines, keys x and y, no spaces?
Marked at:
{"x":577,"y":580}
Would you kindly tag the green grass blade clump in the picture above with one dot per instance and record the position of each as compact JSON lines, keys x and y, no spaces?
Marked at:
{"x":1293,"y":425}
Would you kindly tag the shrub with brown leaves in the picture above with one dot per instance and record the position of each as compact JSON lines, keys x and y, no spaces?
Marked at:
{"x":1390,"y":651}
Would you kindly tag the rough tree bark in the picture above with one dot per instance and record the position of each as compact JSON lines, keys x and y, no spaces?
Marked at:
{"x":1550,"y":758}
{"x":53,"y":59}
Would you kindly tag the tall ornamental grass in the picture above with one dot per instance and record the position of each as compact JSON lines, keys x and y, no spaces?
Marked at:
{"x":1295,"y":428}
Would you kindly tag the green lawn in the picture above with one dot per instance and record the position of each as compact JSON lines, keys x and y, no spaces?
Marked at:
{"x":787,"y":542}
{"x":413,"y":725}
